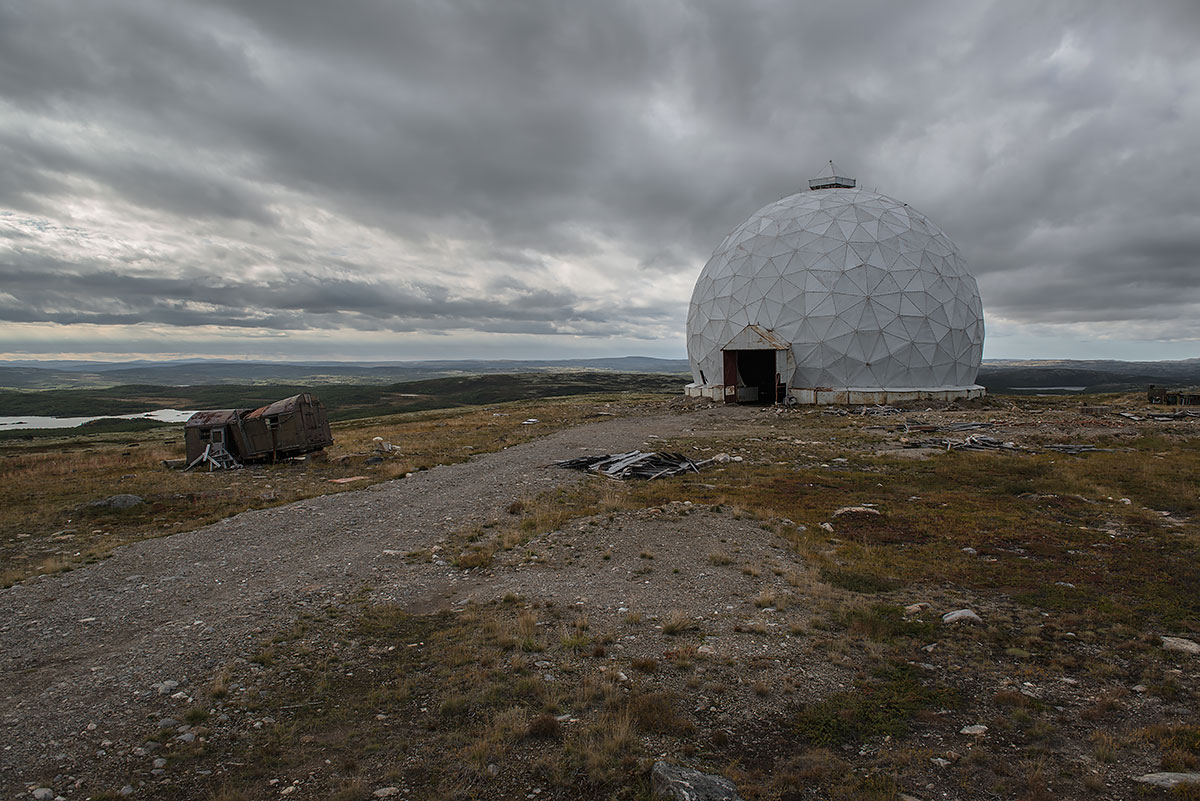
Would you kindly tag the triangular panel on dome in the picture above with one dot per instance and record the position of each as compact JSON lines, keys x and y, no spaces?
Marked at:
{"x":761,"y":284}
{"x":772,"y":311}
{"x":823,"y":307}
{"x":813,"y":328}
{"x":845,"y":302}
{"x":863,"y":251}
{"x":867,"y":320}
{"x":886,"y":286}
{"x":912,"y":325}
{"x":864,"y":212}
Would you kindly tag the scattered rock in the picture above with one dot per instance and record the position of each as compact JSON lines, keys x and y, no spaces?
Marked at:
{"x":855,"y":510}
{"x":675,"y":783}
{"x":915,"y":609}
{"x":386,"y":792}
{"x":827,"y":527}
{"x":127,"y":790}
{"x":116,"y":502}
{"x":969,"y":551}
{"x":168,"y":723}
{"x":1168,"y":780}
{"x":975,"y":730}
{"x":1182,"y":645}
{"x":43,"y":794}
{"x":961,"y":616}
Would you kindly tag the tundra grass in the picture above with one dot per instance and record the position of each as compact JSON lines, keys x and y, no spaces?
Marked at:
{"x":46,"y":486}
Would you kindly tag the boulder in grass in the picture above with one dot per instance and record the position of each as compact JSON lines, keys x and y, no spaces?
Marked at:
{"x":124,"y":501}
{"x":961,"y":616}
{"x":1180,"y":644}
{"x":1168,"y":780}
{"x":675,"y":783}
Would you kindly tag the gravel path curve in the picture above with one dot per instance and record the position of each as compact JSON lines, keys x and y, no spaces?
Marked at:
{"x":93,"y":646}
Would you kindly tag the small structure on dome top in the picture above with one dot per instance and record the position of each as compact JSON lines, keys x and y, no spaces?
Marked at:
{"x":835,"y":295}
{"x":229,"y":438}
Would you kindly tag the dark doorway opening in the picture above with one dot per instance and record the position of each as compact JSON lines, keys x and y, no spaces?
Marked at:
{"x":756,"y":369}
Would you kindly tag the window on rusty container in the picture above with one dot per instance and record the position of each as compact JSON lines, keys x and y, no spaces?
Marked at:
{"x":205,"y":434}
{"x":272,"y":421}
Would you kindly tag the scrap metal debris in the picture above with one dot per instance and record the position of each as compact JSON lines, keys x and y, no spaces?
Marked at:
{"x":862,"y":411}
{"x":636,"y":464}
{"x":982,"y":442}
{"x":1078,"y":449}
{"x":1161,"y":417}
{"x":1182,"y":414}
{"x":918,"y":425}
{"x":975,"y":442}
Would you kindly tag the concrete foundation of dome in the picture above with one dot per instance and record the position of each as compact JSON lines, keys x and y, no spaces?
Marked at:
{"x":820,"y":396}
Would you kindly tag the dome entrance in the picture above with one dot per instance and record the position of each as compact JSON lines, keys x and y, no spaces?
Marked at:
{"x":755,"y":362}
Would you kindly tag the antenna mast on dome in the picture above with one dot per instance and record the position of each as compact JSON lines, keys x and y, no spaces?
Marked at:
{"x":833,"y":181}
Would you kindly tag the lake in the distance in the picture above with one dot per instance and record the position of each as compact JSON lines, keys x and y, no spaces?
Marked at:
{"x":31,"y":421}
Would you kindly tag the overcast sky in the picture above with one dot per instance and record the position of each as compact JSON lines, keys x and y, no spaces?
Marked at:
{"x":384,"y":179}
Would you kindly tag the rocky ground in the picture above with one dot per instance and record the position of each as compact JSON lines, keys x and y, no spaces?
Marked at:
{"x":742,"y":621}
{"x":84,"y":655}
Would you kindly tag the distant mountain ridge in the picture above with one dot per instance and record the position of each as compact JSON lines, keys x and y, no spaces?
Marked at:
{"x":81,"y":375}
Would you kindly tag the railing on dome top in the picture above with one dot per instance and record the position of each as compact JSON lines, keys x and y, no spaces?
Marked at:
{"x":832,"y":181}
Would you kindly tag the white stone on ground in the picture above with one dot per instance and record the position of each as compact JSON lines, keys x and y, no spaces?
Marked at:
{"x":1168,"y":779}
{"x":1180,"y":644}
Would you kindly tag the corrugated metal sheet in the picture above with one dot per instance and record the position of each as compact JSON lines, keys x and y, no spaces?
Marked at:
{"x":278,"y":407}
{"x":218,"y":417}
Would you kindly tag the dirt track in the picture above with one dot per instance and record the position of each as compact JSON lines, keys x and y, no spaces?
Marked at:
{"x":90,"y":646}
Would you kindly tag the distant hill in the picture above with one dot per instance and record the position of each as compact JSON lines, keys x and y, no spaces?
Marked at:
{"x":999,"y":375}
{"x":344,"y":401}
{"x":1027,"y":376}
{"x":95,"y":375}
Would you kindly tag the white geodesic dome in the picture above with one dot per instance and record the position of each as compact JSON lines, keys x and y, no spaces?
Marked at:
{"x":863,"y":291}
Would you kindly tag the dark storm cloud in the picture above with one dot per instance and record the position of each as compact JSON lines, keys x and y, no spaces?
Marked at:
{"x":61,"y":294}
{"x":614,"y":140}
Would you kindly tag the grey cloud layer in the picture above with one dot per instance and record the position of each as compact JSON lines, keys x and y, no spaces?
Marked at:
{"x":1053,"y":142}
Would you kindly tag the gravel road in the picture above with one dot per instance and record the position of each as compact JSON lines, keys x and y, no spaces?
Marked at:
{"x":83,"y":654}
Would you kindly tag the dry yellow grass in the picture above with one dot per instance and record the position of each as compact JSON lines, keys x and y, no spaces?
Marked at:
{"x":46,"y":484}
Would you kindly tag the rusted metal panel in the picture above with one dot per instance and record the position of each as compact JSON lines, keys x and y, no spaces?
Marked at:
{"x":219,"y":417}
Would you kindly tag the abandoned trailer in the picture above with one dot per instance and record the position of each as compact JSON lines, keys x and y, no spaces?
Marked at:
{"x":1173,"y":397}
{"x":231,"y":437}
